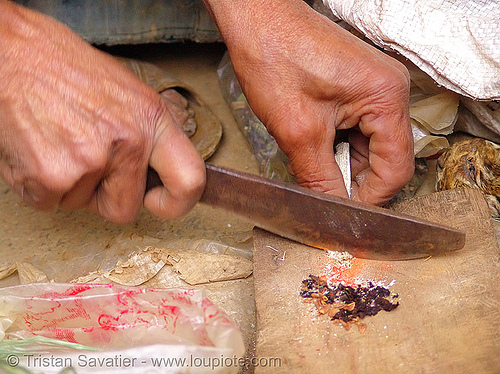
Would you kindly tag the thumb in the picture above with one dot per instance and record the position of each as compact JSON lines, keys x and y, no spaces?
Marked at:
{"x":182,"y":172}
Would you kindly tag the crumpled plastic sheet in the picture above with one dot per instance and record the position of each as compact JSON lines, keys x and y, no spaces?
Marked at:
{"x":425,"y":144}
{"x":272,"y":161}
{"x":488,"y":114}
{"x":432,"y":117}
{"x":456,"y":42}
{"x":433,"y":113}
{"x":72,"y":321}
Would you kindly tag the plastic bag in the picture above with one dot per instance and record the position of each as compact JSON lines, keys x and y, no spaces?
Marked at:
{"x":271,"y":159}
{"x":111,"y":319}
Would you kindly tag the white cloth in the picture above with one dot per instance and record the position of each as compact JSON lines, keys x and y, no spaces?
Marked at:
{"x":456,"y":42}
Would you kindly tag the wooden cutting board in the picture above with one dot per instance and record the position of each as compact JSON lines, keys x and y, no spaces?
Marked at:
{"x":448,"y":320}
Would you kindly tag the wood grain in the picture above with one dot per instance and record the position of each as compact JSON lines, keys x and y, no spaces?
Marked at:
{"x":448,"y":320}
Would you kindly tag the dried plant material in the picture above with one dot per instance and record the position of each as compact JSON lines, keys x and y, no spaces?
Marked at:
{"x":418,"y":182}
{"x":350,"y":307}
{"x":124,"y":245}
{"x":345,"y":325}
{"x":190,"y":266}
{"x":472,"y":163}
{"x":93,"y":277}
{"x":29,"y":273}
{"x":318,"y":304}
{"x":361,"y":327}
{"x":346,"y":305}
{"x":7,"y":270}
{"x":167,"y":277}
{"x":139,"y":268}
{"x":325,"y":309}
{"x":198,"y":268}
{"x":335,"y":308}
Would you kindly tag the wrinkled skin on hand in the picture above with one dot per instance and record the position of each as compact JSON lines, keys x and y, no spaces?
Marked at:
{"x":79,"y":130}
{"x":306,"y":78}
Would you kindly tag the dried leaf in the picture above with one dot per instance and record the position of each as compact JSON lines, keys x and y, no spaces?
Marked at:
{"x":7,"y":270}
{"x":350,"y":306}
{"x":361,"y":327}
{"x":29,"y":273}
{"x":198,"y":267}
{"x":325,"y":309}
{"x":94,"y":277}
{"x":139,"y":268}
{"x":334,"y":309}
{"x":191,"y":266}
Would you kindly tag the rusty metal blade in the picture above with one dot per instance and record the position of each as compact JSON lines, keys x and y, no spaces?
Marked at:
{"x":328,"y":222}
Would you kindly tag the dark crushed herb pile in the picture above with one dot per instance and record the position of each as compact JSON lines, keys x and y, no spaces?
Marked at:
{"x":346,"y":305}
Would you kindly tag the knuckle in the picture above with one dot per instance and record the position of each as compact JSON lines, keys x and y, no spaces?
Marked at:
{"x":154,"y":109}
{"x":398,"y":81}
{"x":389,"y":83}
{"x":49,"y":181}
{"x":180,"y":195}
{"x":130,"y":139}
{"x":130,"y":153}
{"x":90,"y":160}
{"x":298,"y":134}
{"x":190,"y":185}
{"x":54,"y":180}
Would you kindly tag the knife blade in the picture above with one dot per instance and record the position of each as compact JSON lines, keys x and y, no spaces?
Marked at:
{"x":324,"y":221}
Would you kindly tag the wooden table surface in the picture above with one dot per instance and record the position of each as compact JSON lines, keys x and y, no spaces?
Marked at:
{"x":448,"y":320}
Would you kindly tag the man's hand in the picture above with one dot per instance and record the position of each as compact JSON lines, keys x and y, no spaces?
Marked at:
{"x":78,"y":130}
{"x":306,"y":78}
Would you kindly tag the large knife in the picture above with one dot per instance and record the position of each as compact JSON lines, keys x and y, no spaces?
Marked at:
{"x":324,"y":221}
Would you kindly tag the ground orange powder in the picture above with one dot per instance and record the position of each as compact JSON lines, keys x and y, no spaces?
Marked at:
{"x":342,"y":268}
{"x":344,"y":271}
